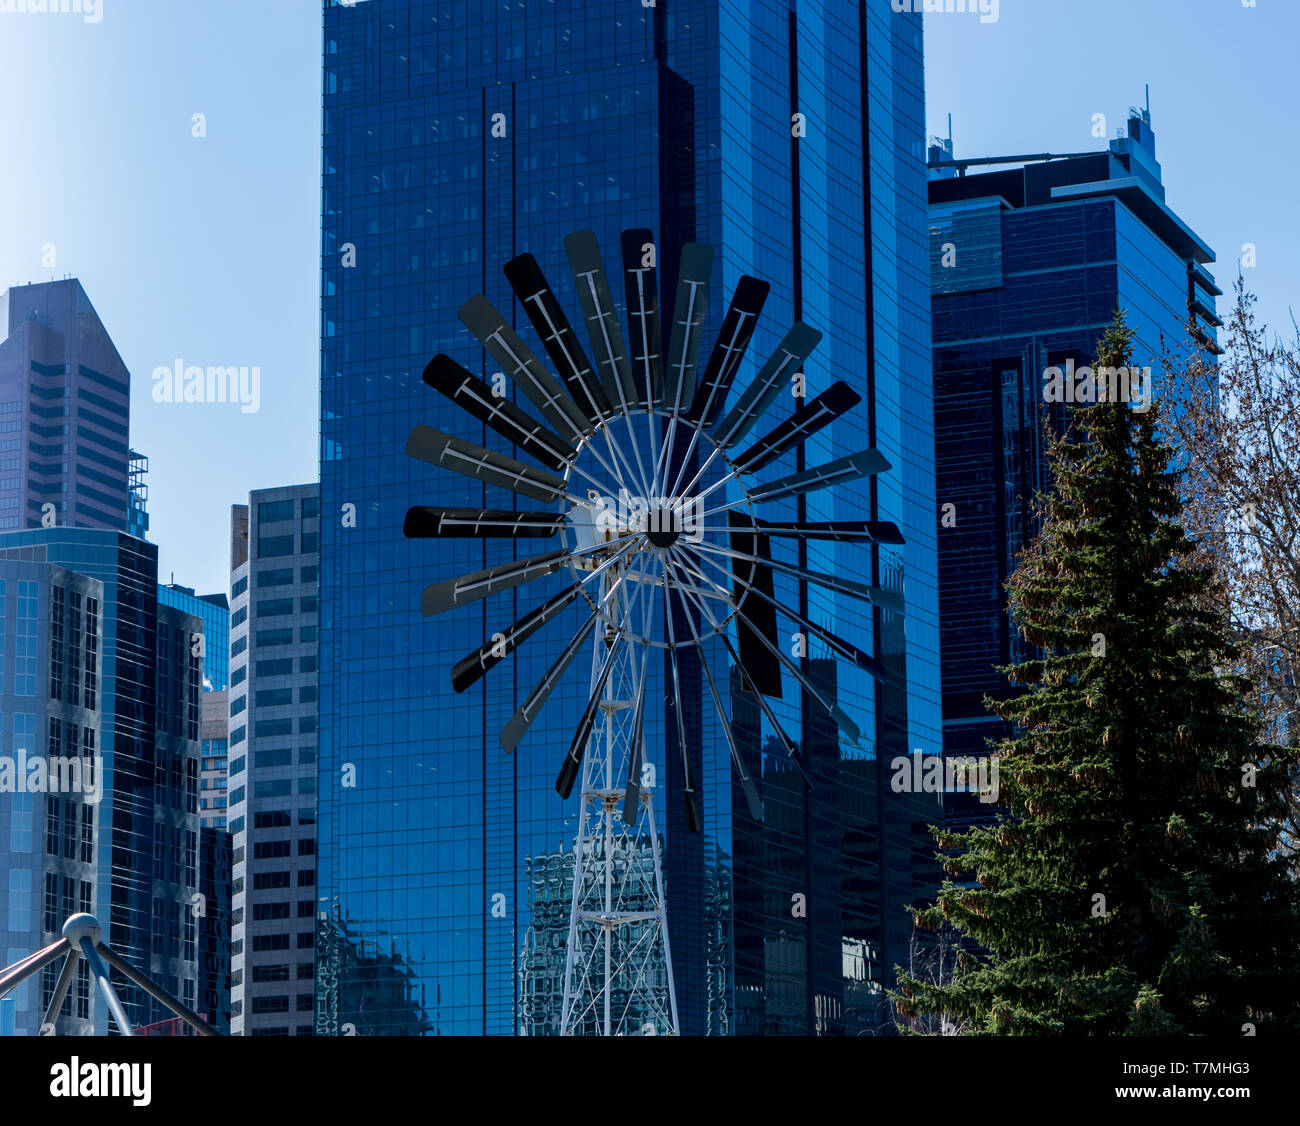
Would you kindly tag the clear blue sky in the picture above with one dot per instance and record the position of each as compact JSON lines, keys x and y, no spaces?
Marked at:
{"x":207,"y":250}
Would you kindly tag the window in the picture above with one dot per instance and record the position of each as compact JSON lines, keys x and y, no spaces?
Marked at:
{"x":271,"y":973}
{"x":271,"y":819}
{"x":274,"y":607}
{"x":274,"y":697}
{"x":306,"y":971}
{"x":307,"y":725}
{"x":273,"y":788}
{"x":304,"y":1002}
{"x":239,"y":617}
{"x":236,"y":766}
{"x":281,"y":756}
{"x":238,"y":646}
{"x":278,"y":1004}
{"x":268,"y":728}
{"x":307,"y":664}
{"x":306,"y":940}
{"x":237,"y":795}
{"x":239,"y":587}
{"x":264,"y":880}
{"x":306,"y":908}
{"x":309,"y":574}
{"x":263,"y":911}
{"x":237,"y":677}
{"x":270,"y":546}
{"x":307,"y":694}
{"x":306,"y":847}
{"x":264,"y":942}
{"x":237,"y":736}
{"x":310,"y":543}
{"x":268,"y":637}
{"x":307,"y":604}
{"x":264,"y":849}
{"x":273,"y":510}
{"x":310,"y":507}
{"x":238,"y":704}
{"x":306,"y":877}
{"x":283,"y":577}
{"x":279,"y":667}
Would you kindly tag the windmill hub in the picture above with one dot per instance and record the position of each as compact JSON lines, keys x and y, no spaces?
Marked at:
{"x":663,"y":526}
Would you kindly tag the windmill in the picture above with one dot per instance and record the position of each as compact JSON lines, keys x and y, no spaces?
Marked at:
{"x":652,"y":490}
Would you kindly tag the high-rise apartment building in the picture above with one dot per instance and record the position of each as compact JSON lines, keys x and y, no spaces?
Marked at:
{"x":272,"y":761}
{"x":790,"y":141}
{"x":65,"y":399}
{"x":1027,"y":267}
{"x":101,"y":686}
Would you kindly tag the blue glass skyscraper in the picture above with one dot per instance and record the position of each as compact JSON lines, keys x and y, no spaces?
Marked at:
{"x":1028,"y":266}
{"x":790,"y":139}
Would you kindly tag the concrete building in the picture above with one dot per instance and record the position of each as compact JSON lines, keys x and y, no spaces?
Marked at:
{"x":272,"y":760}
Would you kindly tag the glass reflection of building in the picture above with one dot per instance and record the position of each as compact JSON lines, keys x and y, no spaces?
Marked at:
{"x":677,"y":118}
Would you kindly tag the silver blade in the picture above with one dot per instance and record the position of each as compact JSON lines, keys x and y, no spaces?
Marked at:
{"x":578,"y":748}
{"x":773,"y":377}
{"x":491,"y":580}
{"x":469,"y":392}
{"x":729,"y":349}
{"x":601,"y":315}
{"x":641,"y":289}
{"x":558,"y":338}
{"x":688,"y":321}
{"x":504,"y":345}
{"x":877,"y":595}
{"x":473,"y":460}
{"x":519,"y":723}
{"x":841,"y":718}
{"x":806,"y":421}
{"x":837,"y":472}
{"x":428,"y":522}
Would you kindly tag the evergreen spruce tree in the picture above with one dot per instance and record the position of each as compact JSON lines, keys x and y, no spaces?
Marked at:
{"x":1134,"y":886}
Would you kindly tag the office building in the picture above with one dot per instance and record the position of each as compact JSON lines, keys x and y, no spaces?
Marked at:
{"x":65,"y":399}
{"x":793,"y":144}
{"x":1028,"y":266}
{"x":271,"y":752}
{"x":96,"y":671}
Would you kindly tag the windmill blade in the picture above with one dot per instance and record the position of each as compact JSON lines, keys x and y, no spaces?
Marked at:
{"x":573,"y":760}
{"x":693,"y":820}
{"x":603,"y":330}
{"x":516,"y":426}
{"x":877,"y":595}
{"x":746,"y":782}
{"x":807,"y":420}
{"x":786,"y":742}
{"x":473,"y":460}
{"x":844,"y":531}
{"x":729,"y":350}
{"x":632,"y":791}
{"x":772,"y":378}
{"x":641,"y":288}
{"x":519,"y":723}
{"x":472,"y":668}
{"x":558,"y":338}
{"x":841,"y":718}
{"x":755,"y":576}
{"x":504,"y":345}
{"x":837,"y":472}
{"x":688,"y":322}
{"x":491,"y":580}
{"x":859,"y":657}
{"x":428,"y":522}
